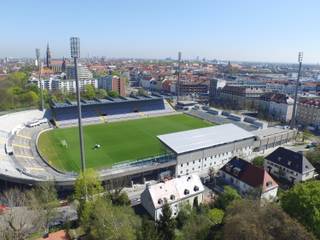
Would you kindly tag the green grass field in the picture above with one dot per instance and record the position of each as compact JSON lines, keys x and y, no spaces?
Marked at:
{"x":120,"y":141}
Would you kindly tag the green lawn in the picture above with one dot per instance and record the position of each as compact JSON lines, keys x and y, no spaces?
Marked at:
{"x":120,"y":141}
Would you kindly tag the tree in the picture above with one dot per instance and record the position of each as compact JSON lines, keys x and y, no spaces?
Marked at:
{"x":229,"y":195}
{"x":89,"y":91}
{"x":113,"y":94}
{"x":212,"y":173}
{"x":166,"y":224}
{"x":258,"y":161}
{"x":142,"y":92}
{"x":147,"y":230}
{"x":44,"y":199}
{"x":184,"y":215}
{"x":314,"y":157}
{"x":196,"y":228}
{"x":101,"y":93}
{"x":215,"y":215}
{"x":247,"y":219}
{"x":119,"y":197}
{"x":18,"y":221}
{"x":88,"y":181}
{"x":303,"y":203}
{"x":112,"y":222}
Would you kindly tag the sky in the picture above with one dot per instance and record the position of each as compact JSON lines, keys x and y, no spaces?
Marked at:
{"x":236,"y":30}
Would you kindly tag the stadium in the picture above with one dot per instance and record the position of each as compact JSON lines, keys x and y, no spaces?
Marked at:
{"x":127,"y":139}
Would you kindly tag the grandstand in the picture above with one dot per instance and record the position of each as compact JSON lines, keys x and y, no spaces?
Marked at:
{"x":109,"y":109}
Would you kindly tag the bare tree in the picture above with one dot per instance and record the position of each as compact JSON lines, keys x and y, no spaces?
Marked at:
{"x":43,"y":199}
{"x":18,"y":221}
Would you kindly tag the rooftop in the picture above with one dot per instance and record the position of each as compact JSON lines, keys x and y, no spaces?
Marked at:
{"x":186,"y":141}
{"x":249,"y":174}
{"x":291,"y":160}
{"x":175,"y":189}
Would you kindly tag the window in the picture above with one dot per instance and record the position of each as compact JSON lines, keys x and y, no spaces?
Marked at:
{"x":181,"y":164}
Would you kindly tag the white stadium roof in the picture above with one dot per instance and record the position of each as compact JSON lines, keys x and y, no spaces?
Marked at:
{"x":191,"y":140}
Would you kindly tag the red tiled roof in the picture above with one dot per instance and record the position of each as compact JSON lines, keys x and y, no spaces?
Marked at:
{"x":60,"y":235}
{"x":248,"y":173}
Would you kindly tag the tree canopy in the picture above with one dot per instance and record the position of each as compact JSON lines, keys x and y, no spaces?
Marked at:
{"x":247,"y":219}
{"x":303,"y":203}
{"x":227,"y":197}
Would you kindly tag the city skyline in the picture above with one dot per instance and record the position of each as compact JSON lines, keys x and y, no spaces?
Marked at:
{"x":246,"y":31}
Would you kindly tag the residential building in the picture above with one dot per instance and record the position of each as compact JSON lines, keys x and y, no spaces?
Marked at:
{"x":215,"y":86}
{"x":249,"y":179}
{"x":278,"y":105}
{"x":189,"y":88}
{"x":308,"y":112}
{"x":112,"y":83}
{"x":293,"y":166}
{"x":176,"y":192}
{"x":83,"y":72}
{"x":243,"y":91}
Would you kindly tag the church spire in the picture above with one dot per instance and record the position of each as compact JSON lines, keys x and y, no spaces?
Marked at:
{"x":48,"y":57}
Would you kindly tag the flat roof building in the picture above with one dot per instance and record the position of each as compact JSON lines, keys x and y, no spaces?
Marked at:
{"x":212,"y":147}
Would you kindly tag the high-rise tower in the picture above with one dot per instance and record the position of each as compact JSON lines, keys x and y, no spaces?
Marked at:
{"x":48,"y":57}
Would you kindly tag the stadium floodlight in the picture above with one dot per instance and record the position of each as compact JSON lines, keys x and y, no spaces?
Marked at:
{"x":75,"y":54}
{"x":300,"y":57}
{"x":293,"y":118}
{"x":75,"y":47}
{"x":40,"y":82}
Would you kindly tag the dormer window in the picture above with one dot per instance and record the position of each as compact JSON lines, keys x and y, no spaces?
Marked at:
{"x":186,"y":192}
{"x":160,"y":201}
{"x":172,"y":197}
{"x":196,"y":188}
{"x":269,"y":184}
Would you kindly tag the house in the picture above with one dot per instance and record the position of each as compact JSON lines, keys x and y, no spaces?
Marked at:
{"x":176,"y":192}
{"x":247,"y":179}
{"x":293,"y":166}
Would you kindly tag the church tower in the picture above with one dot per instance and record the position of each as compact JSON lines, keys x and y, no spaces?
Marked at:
{"x":48,"y":57}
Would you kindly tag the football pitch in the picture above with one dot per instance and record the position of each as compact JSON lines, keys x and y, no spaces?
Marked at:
{"x":119,"y":141}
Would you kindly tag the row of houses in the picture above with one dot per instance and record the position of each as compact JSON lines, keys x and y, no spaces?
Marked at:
{"x":240,"y":174}
{"x":272,"y":104}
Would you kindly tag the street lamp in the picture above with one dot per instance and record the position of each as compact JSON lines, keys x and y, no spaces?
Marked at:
{"x":40,"y":82}
{"x":293,"y":118}
{"x":75,"y":54}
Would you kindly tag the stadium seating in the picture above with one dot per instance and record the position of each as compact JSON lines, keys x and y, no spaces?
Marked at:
{"x":101,"y":110}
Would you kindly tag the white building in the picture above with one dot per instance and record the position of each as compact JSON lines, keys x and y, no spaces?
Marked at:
{"x":293,"y":166}
{"x":83,"y":72}
{"x":175,"y":192}
{"x":278,"y":105}
{"x":57,"y":82}
{"x":249,"y":179}
{"x":211,"y":147}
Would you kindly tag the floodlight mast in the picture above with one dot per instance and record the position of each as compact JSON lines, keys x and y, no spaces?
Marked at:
{"x":293,"y":118}
{"x":75,"y":54}
{"x":40,"y":82}
{"x":178,"y":80}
